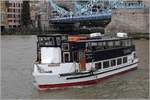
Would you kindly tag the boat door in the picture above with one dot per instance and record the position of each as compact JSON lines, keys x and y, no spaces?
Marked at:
{"x":82,"y":60}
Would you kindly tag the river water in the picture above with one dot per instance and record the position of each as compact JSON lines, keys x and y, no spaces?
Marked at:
{"x":18,"y":54}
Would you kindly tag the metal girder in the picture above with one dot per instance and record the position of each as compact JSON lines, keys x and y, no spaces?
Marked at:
{"x":92,"y":8}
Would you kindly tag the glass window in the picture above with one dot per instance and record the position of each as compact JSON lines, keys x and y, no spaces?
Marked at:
{"x":65,"y":46}
{"x":134,"y":55}
{"x":117,"y":43}
{"x":119,"y":61}
{"x":127,"y":43}
{"x":105,"y":64}
{"x":122,"y":42}
{"x":75,"y":56}
{"x":124,"y":59}
{"x":99,"y":46}
{"x":98,"y":65}
{"x":58,"y":41}
{"x":104,"y":45}
{"x":88,"y":46}
{"x":93,"y":44}
{"x":10,"y":21}
{"x":113,"y":62}
{"x":110,"y":43}
{"x":64,"y":38}
{"x":66,"y":56}
{"x":130,"y":42}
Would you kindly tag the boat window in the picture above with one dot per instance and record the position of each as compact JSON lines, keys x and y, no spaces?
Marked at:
{"x":75,"y":56}
{"x":99,"y":46}
{"x":64,"y":38}
{"x":130,"y":42}
{"x":66,"y":56}
{"x":46,"y":41}
{"x":58,"y":40}
{"x":98,"y":65}
{"x":127,"y":42}
{"x":94,"y":44}
{"x":135,"y":56}
{"x":124,"y":59}
{"x":110,"y":44}
{"x":104,"y":45}
{"x":122,"y":43}
{"x":105,"y":64}
{"x":117,"y":43}
{"x":119,"y":61}
{"x":65,"y":46}
{"x":113,"y":62}
{"x":88,"y":46}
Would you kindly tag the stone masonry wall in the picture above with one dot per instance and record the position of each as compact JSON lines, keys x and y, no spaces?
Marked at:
{"x":129,"y":20}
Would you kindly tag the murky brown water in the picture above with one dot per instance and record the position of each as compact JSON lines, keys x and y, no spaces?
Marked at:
{"x":18,"y":54}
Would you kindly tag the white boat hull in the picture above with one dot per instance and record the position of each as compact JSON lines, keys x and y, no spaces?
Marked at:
{"x":48,"y":80}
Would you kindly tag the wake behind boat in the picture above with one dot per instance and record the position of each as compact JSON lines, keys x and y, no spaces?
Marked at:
{"x":75,"y":60}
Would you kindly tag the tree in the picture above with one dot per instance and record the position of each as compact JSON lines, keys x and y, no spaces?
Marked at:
{"x":25,"y":14}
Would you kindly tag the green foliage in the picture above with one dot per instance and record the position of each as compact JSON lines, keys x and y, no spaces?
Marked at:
{"x":25,"y":14}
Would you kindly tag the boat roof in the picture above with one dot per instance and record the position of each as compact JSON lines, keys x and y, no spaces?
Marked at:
{"x":53,"y":34}
{"x":104,"y":39}
{"x":88,"y":38}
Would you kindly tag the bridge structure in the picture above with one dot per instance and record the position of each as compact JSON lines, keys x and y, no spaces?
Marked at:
{"x":90,"y":10}
{"x":86,"y":16}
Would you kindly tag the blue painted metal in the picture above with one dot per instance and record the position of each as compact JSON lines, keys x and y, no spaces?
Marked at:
{"x":62,"y":12}
{"x":83,"y":10}
{"x":80,"y":18}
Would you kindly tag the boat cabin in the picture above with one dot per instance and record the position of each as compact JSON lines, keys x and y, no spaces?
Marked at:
{"x":58,"y":48}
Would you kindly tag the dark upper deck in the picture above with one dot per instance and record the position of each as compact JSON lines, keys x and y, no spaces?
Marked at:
{"x":96,"y":48}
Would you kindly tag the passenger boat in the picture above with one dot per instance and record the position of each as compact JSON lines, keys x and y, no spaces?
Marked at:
{"x":75,"y":60}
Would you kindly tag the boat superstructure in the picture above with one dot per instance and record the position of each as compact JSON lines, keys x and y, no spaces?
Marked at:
{"x":72,"y":60}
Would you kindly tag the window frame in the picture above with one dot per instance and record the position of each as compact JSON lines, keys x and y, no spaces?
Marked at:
{"x":118,"y":61}
{"x":64,"y":60}
{"x":104,"y":64}
{"x":113,"y":64}
{"x":98,"y":63}
{"x":123,"y":59}
{"x":64,"y":46}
